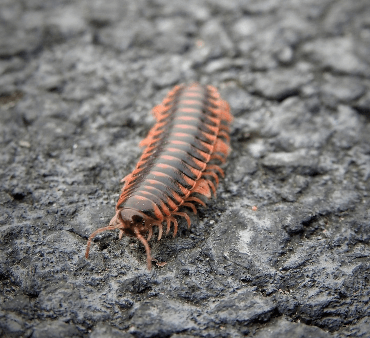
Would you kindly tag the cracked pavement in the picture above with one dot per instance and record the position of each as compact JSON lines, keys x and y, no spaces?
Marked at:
{"x":77,"y":82}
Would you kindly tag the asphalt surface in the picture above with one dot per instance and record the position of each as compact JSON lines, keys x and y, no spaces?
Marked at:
{"x":77,"y":82}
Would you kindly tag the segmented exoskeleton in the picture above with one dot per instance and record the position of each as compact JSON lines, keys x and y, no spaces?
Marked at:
{"x":176,"y":169}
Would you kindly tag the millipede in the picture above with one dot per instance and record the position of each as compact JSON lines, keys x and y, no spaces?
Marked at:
{"x":179,"y":167}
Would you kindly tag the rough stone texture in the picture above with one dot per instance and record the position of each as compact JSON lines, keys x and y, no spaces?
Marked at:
{"x":77,"y":82}
{"x":284,"y":328}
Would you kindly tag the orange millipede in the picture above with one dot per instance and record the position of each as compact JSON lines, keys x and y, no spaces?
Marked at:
{"x":175,"y":169}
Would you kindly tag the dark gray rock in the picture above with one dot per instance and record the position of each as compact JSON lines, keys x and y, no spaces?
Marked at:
{"x":343,"y":89}
{"x":240,"y":100}
{"x":55,"y":329}
{"x":12,"y":325}
{"x":305,"y":161}
{"x":105,"y":331}
{"x":363,"y":105}
{"x":280,"y":84}
{"x":119,"y":37}
{"x":22,"y":41}
{"x":173,"y":319}
{"x":242,"y":309}
{"x":361,"y":329}
{"x":284,"y":328}
{"x":213,"y":34}
{"x":283,"y":249}
{"x":100,"y":13}
{"x":336,"y":54}
{"x":338,"y":19}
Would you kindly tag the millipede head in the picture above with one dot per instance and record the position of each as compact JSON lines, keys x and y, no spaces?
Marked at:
{"x":135,"y":223}
{"x":130,"y":222}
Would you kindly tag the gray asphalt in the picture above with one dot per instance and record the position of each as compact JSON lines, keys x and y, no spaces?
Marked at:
{"x":77,"y":82}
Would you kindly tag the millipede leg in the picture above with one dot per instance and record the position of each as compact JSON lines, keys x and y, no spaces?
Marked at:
{"x":221,"y":147}
{"x":225,"y":128}
{"x":202,"y":188}
{"x":160,"y":231}
{"x":216,"y":167}
{"x":126,"y":178}
{"x":224,"y":135}
{"x":191,"y":206}
{"x":218,"y":157}
{"x":147,"y":248}
{"x":168,"y":221}
{"x":213,"y":188}
{"x":213,"y":174}
{"x":158,"y":110}
{"x":150,"y":234}
{"x":175,"y":226}
{"x":196,"y":199}
{"x":183,"y":214}
{"x":96,"y":232}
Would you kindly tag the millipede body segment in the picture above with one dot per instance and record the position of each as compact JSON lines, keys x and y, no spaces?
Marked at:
{"x":179,"y":166}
